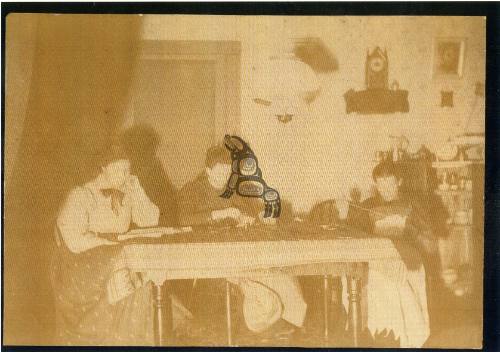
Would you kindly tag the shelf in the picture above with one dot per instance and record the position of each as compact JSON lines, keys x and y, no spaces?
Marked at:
{"x":376,"y":101}
{"x":453,"y":192}
{"x":454,"y":164}
{"x":460,"y":225}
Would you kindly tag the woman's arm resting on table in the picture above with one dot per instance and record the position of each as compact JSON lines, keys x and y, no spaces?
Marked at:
{"x":195,"y":218}
{"x":191,"y":216}
{"x":392,"y":226}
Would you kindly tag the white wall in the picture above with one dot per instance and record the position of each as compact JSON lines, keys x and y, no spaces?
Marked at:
{"x":323,"y":154}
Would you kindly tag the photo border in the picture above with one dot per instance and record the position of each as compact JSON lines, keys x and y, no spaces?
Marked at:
{"x":492,"y":176}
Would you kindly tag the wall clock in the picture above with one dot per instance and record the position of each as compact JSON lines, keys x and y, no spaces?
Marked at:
{"x":377,"y":98}
{"x":377,"y":69}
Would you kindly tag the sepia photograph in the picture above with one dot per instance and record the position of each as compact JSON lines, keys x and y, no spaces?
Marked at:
{"x":257,"y":180}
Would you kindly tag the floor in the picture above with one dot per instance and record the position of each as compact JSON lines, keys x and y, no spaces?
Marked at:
{"x":457,"y":323}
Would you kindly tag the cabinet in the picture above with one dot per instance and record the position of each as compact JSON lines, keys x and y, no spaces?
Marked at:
{"x":461,"y":190}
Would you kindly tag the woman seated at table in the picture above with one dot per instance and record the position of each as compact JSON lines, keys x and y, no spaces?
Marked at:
{"x":273,"y":305}
{"x":98,"y":301}
{"x":395,"y":302}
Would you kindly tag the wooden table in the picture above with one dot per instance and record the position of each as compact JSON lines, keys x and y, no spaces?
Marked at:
{"x":297,"y":249}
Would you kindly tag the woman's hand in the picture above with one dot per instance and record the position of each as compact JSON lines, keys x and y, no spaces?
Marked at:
{"x":342,"y":205}
{"x":396,"y":220}
{"x":131,"y":184}
{"x":109,"y":243}
{"x":391,"y":226}
{"x":108,"y":238}
{"x":267,"y":221}
{"x":245,"y":221}
{"x":231,"y":213}
{"x":119,"y":286}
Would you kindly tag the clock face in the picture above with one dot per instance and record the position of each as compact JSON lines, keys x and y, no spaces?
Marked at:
{"x":376,"y":64}
{"x":376,"y":73}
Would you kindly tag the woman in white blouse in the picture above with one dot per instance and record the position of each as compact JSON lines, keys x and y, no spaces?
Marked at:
{"x":98,"y":301}
{"x":107,"y":204}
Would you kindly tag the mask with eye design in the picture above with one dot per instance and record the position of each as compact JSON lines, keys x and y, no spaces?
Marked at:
{"x":246,"y":177}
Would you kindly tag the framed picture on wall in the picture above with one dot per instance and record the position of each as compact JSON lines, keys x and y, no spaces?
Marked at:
{"x":448,"y":57}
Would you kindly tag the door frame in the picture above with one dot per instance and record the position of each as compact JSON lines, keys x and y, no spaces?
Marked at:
{"x":227,"y":58}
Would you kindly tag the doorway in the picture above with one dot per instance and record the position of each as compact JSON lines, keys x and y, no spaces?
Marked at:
{"x":189,"y":93}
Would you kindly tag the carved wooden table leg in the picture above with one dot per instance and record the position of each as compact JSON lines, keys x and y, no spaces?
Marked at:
{"x":336,"y":306}
{"x":162,"y":308}
{"x":326,"y":307}
{"x":354,"y":287}
{"x":228,"y":314}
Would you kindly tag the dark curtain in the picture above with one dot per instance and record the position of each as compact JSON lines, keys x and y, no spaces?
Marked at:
{"x":82,"y":71}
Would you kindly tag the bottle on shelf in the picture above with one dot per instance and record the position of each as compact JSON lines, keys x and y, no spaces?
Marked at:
{"x":453,"y":182}
{"x":444,"y":185}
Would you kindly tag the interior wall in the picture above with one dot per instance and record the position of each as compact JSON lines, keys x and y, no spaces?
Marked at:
{"x":183,"y":113}
{"x":326,"y":152}
{"x":20,"y":45}
{"x":189,"y":92}
{"x":69,"y":106}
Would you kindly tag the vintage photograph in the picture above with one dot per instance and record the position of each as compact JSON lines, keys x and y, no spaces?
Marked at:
{"x":224,"y":180}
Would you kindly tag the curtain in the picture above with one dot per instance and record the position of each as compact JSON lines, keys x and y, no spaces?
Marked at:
{"x":82,"y":70}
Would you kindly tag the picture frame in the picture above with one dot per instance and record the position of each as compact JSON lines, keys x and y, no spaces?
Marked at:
{"x":448,"y":57}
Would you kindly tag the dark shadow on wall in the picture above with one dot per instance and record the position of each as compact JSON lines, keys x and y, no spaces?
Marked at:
{"x":82,"y":70}
{"x":141,"y":144}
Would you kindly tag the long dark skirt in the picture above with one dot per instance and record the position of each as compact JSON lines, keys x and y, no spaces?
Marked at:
{"x":83,"y":314}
